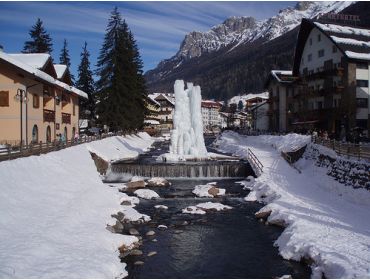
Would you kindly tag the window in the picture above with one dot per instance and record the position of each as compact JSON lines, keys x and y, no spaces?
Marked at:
{"x":48,"y":134}
{"x":310,"y":41}
{"x":4,"y":98}
{"x":319,"y":105}
{"x":35,"y":134}
{"x":361,"y":102}
{"x":318,"y":37}
{"x":335,"y":49}
{"x":309,"y":57}
{"x":36,"y":101}
{"x":362,"y":66}
{"x":362,"y":83}
{"x":321,"y":53}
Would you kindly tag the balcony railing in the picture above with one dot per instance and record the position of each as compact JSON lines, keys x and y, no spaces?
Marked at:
{"x":66,"y":118}
{"x":49,"y":116}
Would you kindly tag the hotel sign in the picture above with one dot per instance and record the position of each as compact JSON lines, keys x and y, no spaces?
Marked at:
{"x":343,"y":17}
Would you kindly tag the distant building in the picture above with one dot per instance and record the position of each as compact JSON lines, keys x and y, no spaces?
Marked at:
{"x":281,"y":103}
{"x":167,"y":105}
{"x":211,"y":114}
{"x":37,"y":101}
{"x":332,"y":62}
{"x":251,"y":101}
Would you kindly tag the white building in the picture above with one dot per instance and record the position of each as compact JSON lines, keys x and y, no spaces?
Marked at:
{"x":211,"y":114}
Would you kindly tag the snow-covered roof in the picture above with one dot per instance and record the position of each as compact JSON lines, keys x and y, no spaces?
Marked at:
{"x":151,"y":97}
{"x":341,"y":29}
{"x":151,"y":122}
{"x":278,"y":74}
{"x":12,"y":59}
{"x":353,"y":42}
{"x":168,"y":96}
{"x":249,"y":96}
{"x":60,"y":69}
{"x":210,"y":104}
{"x":36,"y":60}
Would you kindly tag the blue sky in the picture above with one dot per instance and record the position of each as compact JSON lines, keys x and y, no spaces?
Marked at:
{"x":158,"y":27}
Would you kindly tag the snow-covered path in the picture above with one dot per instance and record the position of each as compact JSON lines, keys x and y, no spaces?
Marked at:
{"x":54,"y":209}
{"x":327,"y":222}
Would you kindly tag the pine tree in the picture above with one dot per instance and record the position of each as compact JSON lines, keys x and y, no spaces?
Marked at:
{"x":86,"y":83}
{"x":65,"y":59}
{"x":40,"y":40}
{"x":121,"y":86}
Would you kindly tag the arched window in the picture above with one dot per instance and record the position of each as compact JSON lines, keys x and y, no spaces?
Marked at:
{"x":35,"y":134}
{"x":65,"y":134}
{"x":48,"y":134}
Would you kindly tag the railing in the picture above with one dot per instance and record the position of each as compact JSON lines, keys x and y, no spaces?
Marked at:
{"x":66,"y":118}
{"x":49,"y":115}
{"x":255,"y":162}
{"x":357,"y":151}
{"x":13,"y":152}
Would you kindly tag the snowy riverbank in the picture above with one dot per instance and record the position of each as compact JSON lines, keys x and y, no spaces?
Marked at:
{"x":54,"y":210}
{"x":325,"y":221}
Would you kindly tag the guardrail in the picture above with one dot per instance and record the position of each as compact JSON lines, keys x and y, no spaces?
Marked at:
{"x":357,"y":151}
{"x":13,"y":152}
{"x":255,"y":162}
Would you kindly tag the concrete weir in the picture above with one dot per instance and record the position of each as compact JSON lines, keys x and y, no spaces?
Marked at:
{"x":196,"y":169}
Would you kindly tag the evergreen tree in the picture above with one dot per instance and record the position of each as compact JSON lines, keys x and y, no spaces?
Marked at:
{"x":86,"y":83}
{"x":65,"y":59}
{"x":121,"y":86}
{"x":40,"y":40}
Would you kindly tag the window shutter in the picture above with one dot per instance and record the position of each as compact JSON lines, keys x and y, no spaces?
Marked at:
{"x":4,"y":98}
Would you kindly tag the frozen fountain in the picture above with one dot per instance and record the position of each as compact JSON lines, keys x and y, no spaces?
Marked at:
{"x":187,"y":156}
{"x":187,"y":141}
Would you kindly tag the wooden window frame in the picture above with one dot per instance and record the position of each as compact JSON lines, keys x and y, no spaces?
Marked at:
{"x":4,"y":98}
{"x":36,"y":101}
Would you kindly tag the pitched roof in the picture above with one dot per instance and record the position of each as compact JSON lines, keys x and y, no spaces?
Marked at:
{"x":36,"y":60}
{"x":60,"y":69}
{"x":34,"y":71}
{"x":353,"y":42}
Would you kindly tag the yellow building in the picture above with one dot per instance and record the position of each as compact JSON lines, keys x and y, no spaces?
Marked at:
{"x":37,"y":101}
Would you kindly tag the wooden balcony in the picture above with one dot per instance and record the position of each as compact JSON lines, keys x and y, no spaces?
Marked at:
{"x":49,"y":116}
{"x":66,"y":118}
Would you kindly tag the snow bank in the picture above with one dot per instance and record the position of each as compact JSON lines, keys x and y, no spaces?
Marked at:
{"x":323,"y":223}
{"x":129,"y":200}
{"x":121,"y":148}
{"x":146,"y":194}
{"x":54,"y":210}
{"x":159,"y":206}
{"x":131,"y":215}
{"x":193,"y":210}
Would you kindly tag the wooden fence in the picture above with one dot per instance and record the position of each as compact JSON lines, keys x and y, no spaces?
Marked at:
{"x":350,"y":150}
{"x":17,"y":151}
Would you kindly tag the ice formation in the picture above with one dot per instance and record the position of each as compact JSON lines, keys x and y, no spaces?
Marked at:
{"x":187,"y":140}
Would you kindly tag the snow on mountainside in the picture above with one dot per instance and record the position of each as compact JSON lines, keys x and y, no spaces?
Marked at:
{"x":237,"y":30}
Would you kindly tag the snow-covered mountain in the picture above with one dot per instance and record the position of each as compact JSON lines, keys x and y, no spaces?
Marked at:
{"x":237,"y":30}
{"x":237,"y":55}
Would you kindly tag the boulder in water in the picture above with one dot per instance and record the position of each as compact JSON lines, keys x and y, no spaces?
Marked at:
{"x":150,"y":233}
{"x":136,"y":184}
{"x":152,"y":253}
{"x":158,"y":182}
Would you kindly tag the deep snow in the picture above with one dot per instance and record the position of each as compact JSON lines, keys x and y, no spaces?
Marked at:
{"x":325,"y":221}
{"x":54,"y":210}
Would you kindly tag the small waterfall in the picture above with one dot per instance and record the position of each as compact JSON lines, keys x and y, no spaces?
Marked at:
{"x":212,"y":169}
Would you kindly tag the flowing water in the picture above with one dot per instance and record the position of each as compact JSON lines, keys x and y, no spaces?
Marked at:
{"x":226,"y":244}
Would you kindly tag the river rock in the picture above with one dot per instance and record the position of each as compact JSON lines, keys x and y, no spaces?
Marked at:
{"x":152,"y":253}
{"x":154,"y":240}
{"x":150,"y":233}
{"x":158,"y":182}
{"x":278,"y":222}
{"x":162,"y":227}
{"x":178,"y":231}
{"x":138,"y":263}
{"x":136,"y":252}
{"x":136,"y":184}
{"x":263,"y":214}
{"x":184,"y":223}
{"x":133,"y":231}
{"x":213,"y":191}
